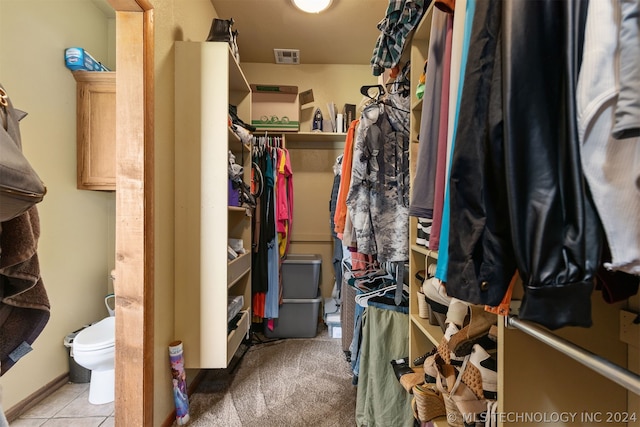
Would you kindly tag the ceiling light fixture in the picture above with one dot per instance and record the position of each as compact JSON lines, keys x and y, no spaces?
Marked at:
{"x":312,"y":6}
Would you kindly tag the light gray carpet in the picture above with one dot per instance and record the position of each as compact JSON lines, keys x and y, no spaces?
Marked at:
{"x":291,"y":382}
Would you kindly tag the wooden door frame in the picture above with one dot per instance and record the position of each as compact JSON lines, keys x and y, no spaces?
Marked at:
{"x":133,"y":287}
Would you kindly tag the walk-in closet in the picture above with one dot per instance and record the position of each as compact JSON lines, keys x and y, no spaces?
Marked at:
{"x":446,"y":280}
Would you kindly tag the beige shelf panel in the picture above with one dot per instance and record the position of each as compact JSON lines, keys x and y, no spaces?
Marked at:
{"x":236,"y":336}
{"x":424,"y":251}
{"x":207,"y":80}
{"x":238,"y":268}
{"x":314,"y":137}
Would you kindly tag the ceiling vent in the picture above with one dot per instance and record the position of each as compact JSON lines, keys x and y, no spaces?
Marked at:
{"x":287,"y":56}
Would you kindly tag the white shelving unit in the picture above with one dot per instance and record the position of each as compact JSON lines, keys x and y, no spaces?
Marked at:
{"x":207,"y":80}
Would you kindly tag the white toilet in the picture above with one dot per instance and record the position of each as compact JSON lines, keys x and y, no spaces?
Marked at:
{"x":94,"y":349}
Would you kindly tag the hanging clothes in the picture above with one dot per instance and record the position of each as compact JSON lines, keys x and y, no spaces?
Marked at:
{"x":460,"y":47}
{"x":284,"y":191}
{"x":378,"y":197}
{"x":265,"y":271}
{"x":481,"y":262}
{"x":423,"y":191}
{"x":340,"y":215}
{"x":611,"y":165}
{"x":400,"y":19}
{"x":272,"y":223}
{"x":381,"y":400}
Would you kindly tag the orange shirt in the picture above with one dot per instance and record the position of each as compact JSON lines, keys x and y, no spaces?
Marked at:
{"x":340,"y":215}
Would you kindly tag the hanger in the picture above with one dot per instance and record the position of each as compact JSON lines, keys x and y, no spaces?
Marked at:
{"x":375,"y":93}
{"x":363,"y":299}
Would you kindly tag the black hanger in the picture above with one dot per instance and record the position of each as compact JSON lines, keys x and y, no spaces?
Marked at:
{"x":378,"y":91}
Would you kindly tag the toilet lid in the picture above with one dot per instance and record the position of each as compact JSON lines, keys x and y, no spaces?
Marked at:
{"x":97,"y":336}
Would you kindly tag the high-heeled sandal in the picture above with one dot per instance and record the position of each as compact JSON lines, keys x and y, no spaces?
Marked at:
{"x":478,"y":328}
{"x":429,"y":402}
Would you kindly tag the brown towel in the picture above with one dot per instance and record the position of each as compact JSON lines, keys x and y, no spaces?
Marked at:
{"x":24,"y":304}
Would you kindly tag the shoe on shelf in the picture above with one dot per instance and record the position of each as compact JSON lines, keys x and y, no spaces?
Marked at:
{"x":458,"y":312}
{"x":462,"y":404}
{"x":480,"y":373}
{"x":401,"y":367}
{"x":436,"y":294}
{"x":409,"y":381}
{"x":420,"y":359}
{"x":477,"y":329}
{"x":429,"y":402}
{"x":424,"y":232}
{"x":446,"y":376}
{"x":443,"y":348}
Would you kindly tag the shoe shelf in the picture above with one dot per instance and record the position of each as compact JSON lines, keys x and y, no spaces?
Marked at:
{"x":236,"y":336}
{"x":424,"y":251}
{"x":238,"y":268}
{"x":236,"y":144}
{"x":207,"y":80}
{"x":432,"y":332}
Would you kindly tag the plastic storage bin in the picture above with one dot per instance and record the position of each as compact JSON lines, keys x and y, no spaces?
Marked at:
{"x":301,"y":276}
{"x":298,"y":318}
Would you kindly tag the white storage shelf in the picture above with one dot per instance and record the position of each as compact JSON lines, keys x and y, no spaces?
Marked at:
{"x":207,"y":80}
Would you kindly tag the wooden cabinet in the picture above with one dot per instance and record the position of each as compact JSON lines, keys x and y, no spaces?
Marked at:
{"x":96,"y":130}
{"x":207,"y":80}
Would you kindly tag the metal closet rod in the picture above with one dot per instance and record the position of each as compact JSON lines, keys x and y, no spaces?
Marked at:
{"x":604,"y":367}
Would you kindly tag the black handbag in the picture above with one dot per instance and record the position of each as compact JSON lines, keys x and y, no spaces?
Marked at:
{"x":221,"y":30}
{"x":20,"y":185}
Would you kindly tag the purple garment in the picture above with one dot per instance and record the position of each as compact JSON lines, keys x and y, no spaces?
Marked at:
{"x":423,"y":183}
{"x":441,"y":159}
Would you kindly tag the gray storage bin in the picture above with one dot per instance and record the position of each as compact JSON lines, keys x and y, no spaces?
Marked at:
{"x":298,"y":318}
{"x":301,"y":276}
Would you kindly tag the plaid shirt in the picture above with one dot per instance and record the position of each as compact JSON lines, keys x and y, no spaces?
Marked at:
{"x":401,"y":18}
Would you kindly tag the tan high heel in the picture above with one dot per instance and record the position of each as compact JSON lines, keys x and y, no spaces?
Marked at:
{"x":429,"y":402}
{"x":479,"y":325}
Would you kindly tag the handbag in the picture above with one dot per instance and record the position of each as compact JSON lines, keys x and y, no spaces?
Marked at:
{"x":20,"y":185}
{"x":220,"y":30}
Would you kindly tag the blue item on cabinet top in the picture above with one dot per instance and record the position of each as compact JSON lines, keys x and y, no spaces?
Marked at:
{"x":76,"y":58}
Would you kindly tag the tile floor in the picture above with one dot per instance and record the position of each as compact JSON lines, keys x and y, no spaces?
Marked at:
{"x":67,"y":406}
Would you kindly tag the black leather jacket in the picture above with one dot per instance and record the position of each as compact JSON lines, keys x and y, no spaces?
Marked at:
{"x":518,"y":196}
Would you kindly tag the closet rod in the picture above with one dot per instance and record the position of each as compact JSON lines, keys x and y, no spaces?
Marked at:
{"x":609,"y":370}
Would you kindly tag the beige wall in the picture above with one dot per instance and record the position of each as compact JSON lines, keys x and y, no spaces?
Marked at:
{"x":76,"y":247}
{"x":335,"y":83}
{"x":313,"y":167}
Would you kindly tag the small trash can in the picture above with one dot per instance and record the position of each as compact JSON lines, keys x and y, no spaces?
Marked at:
{"x":77,"y":374}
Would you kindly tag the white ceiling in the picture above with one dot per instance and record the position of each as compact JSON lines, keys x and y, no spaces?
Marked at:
{"x":344,"y":34}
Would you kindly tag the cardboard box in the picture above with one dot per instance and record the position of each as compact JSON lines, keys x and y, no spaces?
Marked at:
{"x":275,"y":108}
